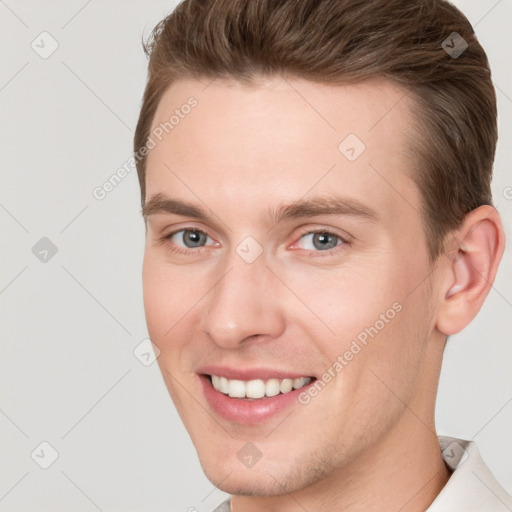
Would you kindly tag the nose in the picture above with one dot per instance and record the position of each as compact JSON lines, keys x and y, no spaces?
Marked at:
{"x":243,"y":305}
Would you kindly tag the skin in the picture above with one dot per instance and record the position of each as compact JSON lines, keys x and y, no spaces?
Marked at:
{"x":367,"y":441}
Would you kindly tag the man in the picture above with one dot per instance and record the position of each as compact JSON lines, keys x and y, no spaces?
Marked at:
{"x":315,"y":181}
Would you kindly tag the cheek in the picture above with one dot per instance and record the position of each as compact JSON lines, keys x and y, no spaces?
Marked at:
{"x":394,"y":361}
{"x":347,"y":304}
{"x":366,"y":318}
{"x":167,"y":297}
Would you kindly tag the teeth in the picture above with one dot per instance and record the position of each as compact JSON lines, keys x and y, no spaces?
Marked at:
{"x":272,"y":387}
{"x":286,"y":385}
{"x":298,"y":383}
{"x":256,"y":388}
{"x":223,"y":385}
{"x":236,"y":389}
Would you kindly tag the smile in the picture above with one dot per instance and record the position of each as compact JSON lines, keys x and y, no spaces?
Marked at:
{"x":256,"y":388}
{"x":246,"y":399}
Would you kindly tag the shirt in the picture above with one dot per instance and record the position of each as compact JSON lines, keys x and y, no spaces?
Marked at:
{"x":470,"y":488}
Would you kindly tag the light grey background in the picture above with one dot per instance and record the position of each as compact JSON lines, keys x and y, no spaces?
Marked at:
{"x":69,"y":326}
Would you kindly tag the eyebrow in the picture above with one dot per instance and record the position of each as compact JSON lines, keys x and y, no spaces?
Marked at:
{"x":329,"y":205}
{"x":302,"y":208}
{"x":163,"y":204}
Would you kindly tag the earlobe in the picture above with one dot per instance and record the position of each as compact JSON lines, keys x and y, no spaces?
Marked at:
{"x":472,"y":270}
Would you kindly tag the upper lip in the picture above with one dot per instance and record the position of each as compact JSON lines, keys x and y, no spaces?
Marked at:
{"x":250,"y":373}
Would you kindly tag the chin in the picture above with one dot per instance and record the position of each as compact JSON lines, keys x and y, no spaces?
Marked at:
{"x":246,"y":484}
{"x":264,"y":479}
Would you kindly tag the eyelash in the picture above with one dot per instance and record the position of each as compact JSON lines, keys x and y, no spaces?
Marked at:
{"x":180,"y":250}
{"x":328,"y":252}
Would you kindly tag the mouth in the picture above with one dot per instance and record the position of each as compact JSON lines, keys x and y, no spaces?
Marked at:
{"x":254,"y":401}
{"x":256,"y":389}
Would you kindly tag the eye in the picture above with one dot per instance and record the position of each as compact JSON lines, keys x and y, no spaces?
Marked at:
{"x":319,"y":241}
{"x":188,"y":238}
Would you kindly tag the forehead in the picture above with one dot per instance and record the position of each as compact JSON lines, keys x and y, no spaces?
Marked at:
{"x":281,"y":139}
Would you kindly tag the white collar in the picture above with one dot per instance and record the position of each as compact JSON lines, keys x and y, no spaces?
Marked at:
{"x":471,"y":487}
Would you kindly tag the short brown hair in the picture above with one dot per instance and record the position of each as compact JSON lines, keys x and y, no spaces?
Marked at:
{"x":348,"y":41}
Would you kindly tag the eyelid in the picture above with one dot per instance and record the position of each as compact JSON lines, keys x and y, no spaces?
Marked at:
{"x":344,"y":237}
{"x":345,"y":240}
{"x":342,"y":246}
{"x":184,"y":227}
{"x":172,"y":234}
{"x":166,"y":239}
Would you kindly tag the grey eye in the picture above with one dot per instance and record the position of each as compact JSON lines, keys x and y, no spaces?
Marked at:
{"x":189,"y":238}
{"x":320,"y":241}
{"x":194,"y":238}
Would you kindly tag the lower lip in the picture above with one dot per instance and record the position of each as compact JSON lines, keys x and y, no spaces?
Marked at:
{"x":248,"y":412}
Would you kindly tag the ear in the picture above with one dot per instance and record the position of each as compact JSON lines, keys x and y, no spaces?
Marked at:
{"x":474,"y":253}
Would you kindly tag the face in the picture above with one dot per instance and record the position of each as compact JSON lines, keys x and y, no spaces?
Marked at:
{"x":285,"y":256}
